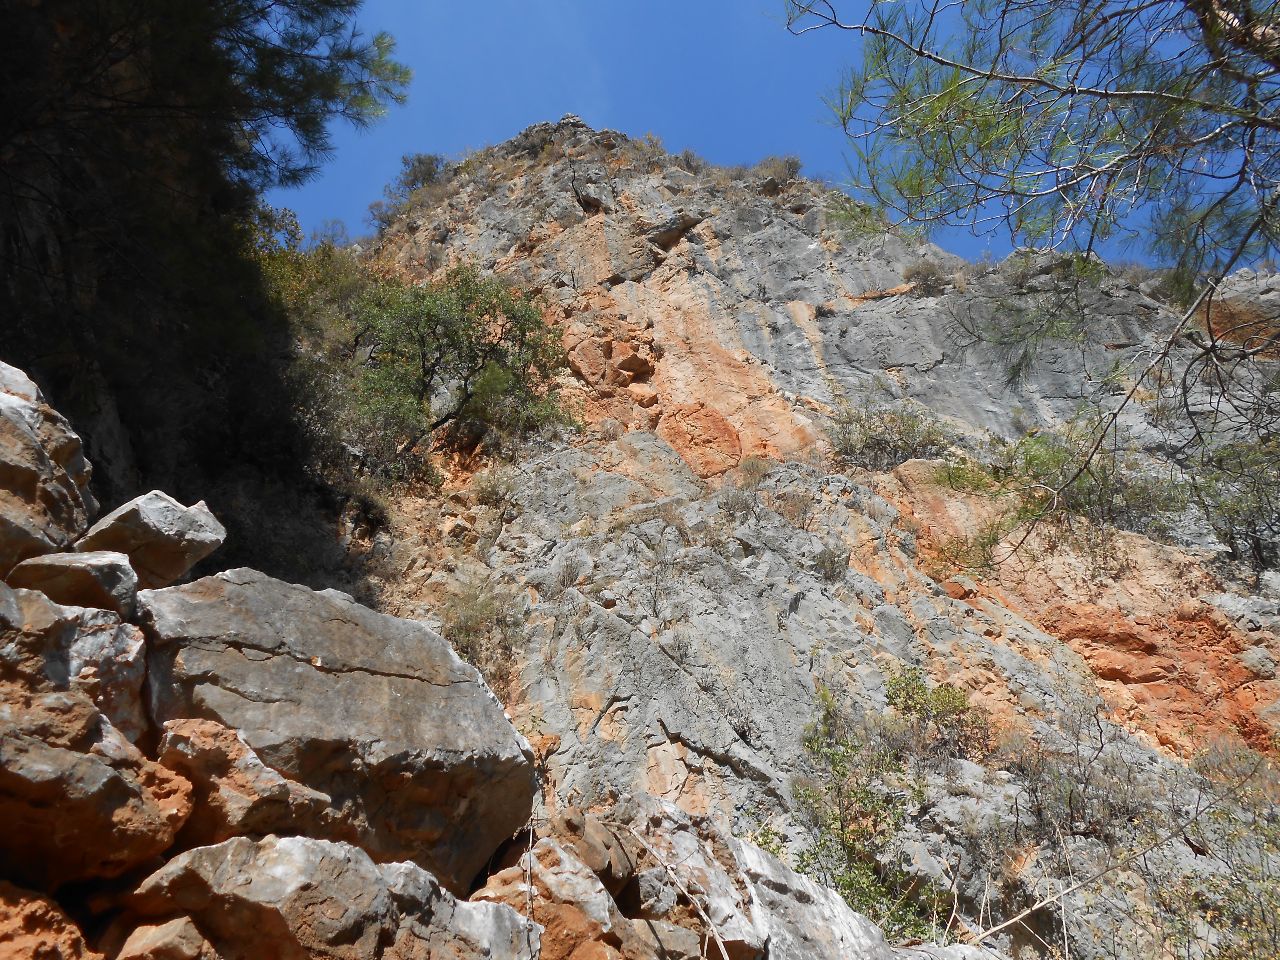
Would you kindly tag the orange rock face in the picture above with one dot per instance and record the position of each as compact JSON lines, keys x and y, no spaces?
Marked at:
{"x":1167,"y":663}
{"x":32,"y":927}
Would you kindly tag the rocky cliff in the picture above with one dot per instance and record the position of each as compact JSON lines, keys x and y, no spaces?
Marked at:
{"x":584,"y":720}
{"x":238,"y":767}
{"x":669,"y":567}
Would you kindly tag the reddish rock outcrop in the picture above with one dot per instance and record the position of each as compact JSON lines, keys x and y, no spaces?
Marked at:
{"x":78,"y":800}
{"x":33,"y":927}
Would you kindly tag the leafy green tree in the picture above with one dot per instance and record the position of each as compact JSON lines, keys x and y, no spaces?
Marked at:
{"x":463,"y":347}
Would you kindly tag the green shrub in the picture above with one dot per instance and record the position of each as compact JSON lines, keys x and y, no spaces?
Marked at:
{"x":1059,"y":474}
{"x":929,"y":278}
{"x":852,"y":809}
{"x":463,"y":350}
{"x":831,"y":564}
{"x":880,"y":437}
{"x":1236,"y":486}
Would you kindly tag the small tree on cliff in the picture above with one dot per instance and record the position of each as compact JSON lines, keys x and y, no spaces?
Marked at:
{"x":465,"y":347}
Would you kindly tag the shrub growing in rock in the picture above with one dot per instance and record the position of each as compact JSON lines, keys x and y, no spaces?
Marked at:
{"x":929,"y":278}
{"x":831,"y":564}
{"x":880,"y":437}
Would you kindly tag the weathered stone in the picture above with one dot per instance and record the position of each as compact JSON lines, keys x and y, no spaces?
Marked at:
{"x":235,"y":793}
{"x":596,"y":845}
{"x":757,"y":906}
{"x":578,"y":917}
{"x":78,"y":800}
{"x":178,"y":939}
{"x":162,"y":538}
{"x":315,"y":898}
{"x":45,"y":501}
{"x":376,"y":712}
{"x":33,"y":927}
{"x":97,"y":578}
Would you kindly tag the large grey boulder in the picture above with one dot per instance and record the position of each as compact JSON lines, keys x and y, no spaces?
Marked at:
{"x":314,"y":898}
{"x":98,"y":578}
{"x":45,"y":501}
{"x":376,"y":712}
{"x":162,"y":538}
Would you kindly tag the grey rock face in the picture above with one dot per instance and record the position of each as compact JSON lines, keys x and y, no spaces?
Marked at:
{"x":162,"y":538}
{"x":377,"y":713}
{"x":45,"y":501}
{"x":314,"y":898}
{"x":757,"y":905}
{"x":97,"y":578}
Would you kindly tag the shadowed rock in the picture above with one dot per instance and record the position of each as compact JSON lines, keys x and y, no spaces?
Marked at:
{"x":44,"y":477}
{"x":162,"y":538}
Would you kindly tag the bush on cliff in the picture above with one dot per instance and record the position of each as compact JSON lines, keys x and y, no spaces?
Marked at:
{"x":384,"y":365}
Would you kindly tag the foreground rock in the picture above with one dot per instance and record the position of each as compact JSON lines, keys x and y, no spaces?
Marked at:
{"x":375,"y":712}
{"x":98,"y":578}
{"x":44,"y":477}
{"x":32,"y":926}
{"x":162,"y":538}
{"x":313,"y":898}
{"x":77,"y":799}
{"x":236,"y":794}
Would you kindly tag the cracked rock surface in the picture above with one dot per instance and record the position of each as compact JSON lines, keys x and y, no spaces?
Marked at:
{"x":375,"y":712}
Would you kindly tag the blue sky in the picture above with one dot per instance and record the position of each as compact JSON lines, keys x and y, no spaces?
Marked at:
{"x":722,"y":77}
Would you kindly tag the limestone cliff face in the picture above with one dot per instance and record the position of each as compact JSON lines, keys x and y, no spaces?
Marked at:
{"x":726,"y":313}
{"x":678,"y":615}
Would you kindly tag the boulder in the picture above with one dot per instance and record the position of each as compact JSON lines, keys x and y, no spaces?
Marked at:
{"x":32,"y":926}
{"x":376,"y":712}
{"x":77,"y":799}
{"x":235,"y":793}
{"x":576,"y":913}
{"x":162,"y":538}
{"x":97,"y":578}
{"x":178,"y":939}
{"x":316,"y":898}
{"x":45,"y":501}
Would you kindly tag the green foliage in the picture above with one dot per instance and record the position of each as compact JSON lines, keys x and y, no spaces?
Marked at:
{"x":386,"y":365}
{"x":865,"y":775}
{"x":880,"y":437}
{"x":464,"y":347}
{"x":1054,"y":479}
{"x":1041,"y":116}
{"x":929,"y":278}
{"x":856,"y":219}
{"x":1237,"y":488}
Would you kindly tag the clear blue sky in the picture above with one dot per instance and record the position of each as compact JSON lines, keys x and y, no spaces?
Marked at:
{"x":722,"y":77}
